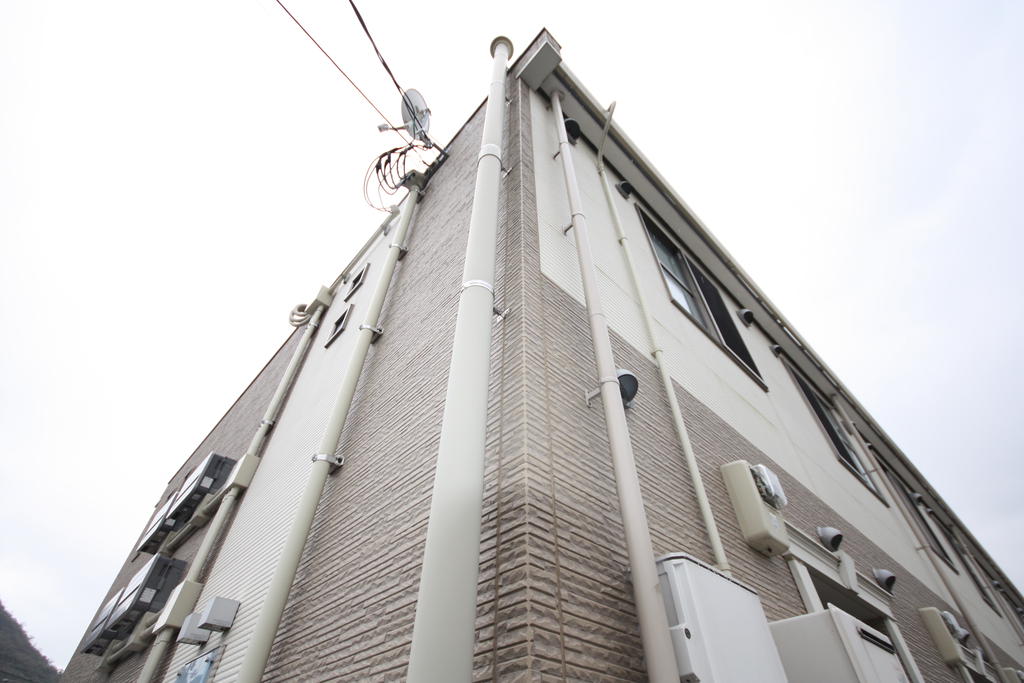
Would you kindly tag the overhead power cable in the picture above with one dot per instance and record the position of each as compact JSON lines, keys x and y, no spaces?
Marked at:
{"x":376,"y":49}
{"x":384,"y":63}
{"x":342,"y":71}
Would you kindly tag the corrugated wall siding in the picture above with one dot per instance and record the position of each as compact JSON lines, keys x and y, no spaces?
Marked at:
{"x":251,"y":548}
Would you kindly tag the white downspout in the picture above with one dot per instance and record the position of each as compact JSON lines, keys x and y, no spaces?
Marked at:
{"x":258,"y":648}
{"x":227,"y":503}
{"x":444,"y":629}
{"x":710,"y":527}
{"x":658,"y":650}
{"x":923,"y":546}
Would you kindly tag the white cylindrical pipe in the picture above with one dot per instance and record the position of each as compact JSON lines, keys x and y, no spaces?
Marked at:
{"x":707,"y":516}
{"x":156,"y":655}
{"x":265,"y":630}
{"x":444,"y":629}
{"x":903,"y":506}
{"x":658,"y":650}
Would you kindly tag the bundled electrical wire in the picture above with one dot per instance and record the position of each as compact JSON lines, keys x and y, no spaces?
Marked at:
{"x":389,"y":169}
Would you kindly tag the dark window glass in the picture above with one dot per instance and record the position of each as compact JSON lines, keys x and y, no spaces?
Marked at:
{"x":723,"y":319}
{"x":833,"y":429}
{"x":966,"y":561}
{"x":694,"y":292}
{"x":933,"y":540}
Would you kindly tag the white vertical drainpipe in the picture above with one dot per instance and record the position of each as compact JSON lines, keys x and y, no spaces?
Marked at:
{"x":258,"y":648}
{"x":710,"y":527}
{"x":227,"y":503}
{"x":444,"y":629}
{"x":924,"y":547}
{"x":658,"y":651}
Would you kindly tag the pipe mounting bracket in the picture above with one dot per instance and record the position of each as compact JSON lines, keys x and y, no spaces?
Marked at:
{"x":591,"y":395}
{"x":377,"y":331}
{"x":490,"y":150}
{"x":332,"y":459}
{"x":478,"y":283}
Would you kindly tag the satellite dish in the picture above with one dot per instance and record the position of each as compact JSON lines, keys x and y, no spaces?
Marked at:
{"x":415,"y":115}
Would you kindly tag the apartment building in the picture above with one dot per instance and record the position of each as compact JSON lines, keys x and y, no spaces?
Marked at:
{"x":543,"y":427}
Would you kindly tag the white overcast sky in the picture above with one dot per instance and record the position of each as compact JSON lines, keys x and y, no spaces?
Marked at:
{"x":174,"y":177}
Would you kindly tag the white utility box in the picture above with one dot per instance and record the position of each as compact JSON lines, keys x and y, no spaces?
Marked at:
{"x":190,"y":632}
{"x":834,"y":646}
{"x":949,"y":649}
{"x":757,"y":498}
{"x":718,"y":627}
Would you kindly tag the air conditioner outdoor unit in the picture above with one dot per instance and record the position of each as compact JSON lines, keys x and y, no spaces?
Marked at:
{"x":146,"y":592}
{"x":159,"y":526}
{"x":834,"y":646}
{"x":208,"y":477}
{"x":718,"y":627}
{"x":98,"y":638}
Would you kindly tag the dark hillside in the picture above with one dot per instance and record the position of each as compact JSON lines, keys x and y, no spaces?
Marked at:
{"x":19,"y":659}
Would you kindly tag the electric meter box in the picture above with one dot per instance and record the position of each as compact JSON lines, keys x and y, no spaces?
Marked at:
{"x":834,"y":646}
{"x":762,"y":524}
{"x":947,"y":646}
{"x":718,"y":628}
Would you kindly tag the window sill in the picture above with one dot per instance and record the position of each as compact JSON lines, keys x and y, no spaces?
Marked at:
{"x":718,"y":342}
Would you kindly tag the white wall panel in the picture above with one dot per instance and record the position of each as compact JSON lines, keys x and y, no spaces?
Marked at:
{"x":778,"y":421}
{"x":250,"y":550}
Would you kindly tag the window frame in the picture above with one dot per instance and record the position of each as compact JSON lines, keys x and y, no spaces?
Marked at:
{"x":933,"y":538}
{"x":704,"y":316}
{"x":819,"y":405}
{"x":965,"y":560}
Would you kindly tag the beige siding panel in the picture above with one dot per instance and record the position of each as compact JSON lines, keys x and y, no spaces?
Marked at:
{"x":246,"y":561}
{"x":778,"y":422}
